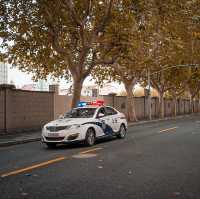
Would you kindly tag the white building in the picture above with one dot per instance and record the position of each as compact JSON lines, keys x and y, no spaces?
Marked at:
{"x":42,"y":85}
{"x":3,"y":73}
{"x":90,"y":90}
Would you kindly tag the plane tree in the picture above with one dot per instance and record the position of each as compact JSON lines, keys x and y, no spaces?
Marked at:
{"x":61,"y":38}
{"x":187,"y":80}
{"x":171,"y":42}
{"x":133,"y":28}
{"x":179,"y":79}
{"x":193,"y":86}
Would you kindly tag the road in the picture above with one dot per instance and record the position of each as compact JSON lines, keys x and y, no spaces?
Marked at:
{"x":155,"y":161}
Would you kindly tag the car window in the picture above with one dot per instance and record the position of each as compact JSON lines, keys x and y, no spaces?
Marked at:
{"x":110,"y":111}
{"x":101,"y":110}
{"x":80,"y":113}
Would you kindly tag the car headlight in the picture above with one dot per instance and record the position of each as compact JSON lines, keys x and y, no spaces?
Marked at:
{"x":73,"y":126}
{"x":76,"y":126}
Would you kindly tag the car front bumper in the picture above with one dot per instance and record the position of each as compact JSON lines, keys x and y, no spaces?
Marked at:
{"x":61,"y":142}
{"x":60,"y":137}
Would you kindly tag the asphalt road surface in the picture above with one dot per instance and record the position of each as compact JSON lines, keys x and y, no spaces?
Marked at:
{"x":156,"y":161}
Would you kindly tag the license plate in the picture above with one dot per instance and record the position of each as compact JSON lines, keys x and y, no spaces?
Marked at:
{"x":53,"y":135}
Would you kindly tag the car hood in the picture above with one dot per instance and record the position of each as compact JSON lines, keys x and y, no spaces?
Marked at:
{"x":68,"y":121}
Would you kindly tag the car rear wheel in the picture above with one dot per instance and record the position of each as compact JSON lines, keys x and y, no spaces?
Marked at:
{"x":90,"y":137}
{"x":51,"y":145}
{"x":122,"y":132}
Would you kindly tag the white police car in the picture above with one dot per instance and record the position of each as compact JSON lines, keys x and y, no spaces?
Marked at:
{"x":88,"y":122}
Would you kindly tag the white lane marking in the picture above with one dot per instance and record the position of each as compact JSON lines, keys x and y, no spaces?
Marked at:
{"x":169,"y":129}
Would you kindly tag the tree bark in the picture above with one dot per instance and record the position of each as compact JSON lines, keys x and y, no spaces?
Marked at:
{"x":198,"y":105}
{"x":174,"y":106}
{"x":130,"y":105}
{"x":77,"y":87}
{"x":161,"y":105}
{"x":191,"y":104}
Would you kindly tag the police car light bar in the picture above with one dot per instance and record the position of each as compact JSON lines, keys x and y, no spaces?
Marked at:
{"x":82,"y":104}
{"x":98,"y":103}
{"x":94,"y":103}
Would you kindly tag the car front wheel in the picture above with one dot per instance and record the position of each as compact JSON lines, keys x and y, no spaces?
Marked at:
{"x":122,"y":132}
{"x":90,"y":137}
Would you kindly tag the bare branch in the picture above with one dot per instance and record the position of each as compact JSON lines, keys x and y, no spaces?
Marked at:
{"x":92,"y":64}
{"x":73,"y":15}
{"x":105,"y":19}
{"x":106,"y":61}
{"x":77,"y":21}
{"x":88,"y":10}
{"x":155,"y":85}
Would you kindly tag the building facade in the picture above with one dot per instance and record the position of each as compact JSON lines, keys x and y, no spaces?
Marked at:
{"x":3,"y":73}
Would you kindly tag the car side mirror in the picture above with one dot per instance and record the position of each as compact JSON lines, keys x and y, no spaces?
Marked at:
{"x":100,"y":115}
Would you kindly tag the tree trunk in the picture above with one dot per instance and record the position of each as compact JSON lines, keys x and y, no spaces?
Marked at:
{"x":191,"y":105}
{"x":161,"y":105}
{"x":77,"y":87}
{"x":174,"y":106}
{"x":130,"y":105}
{"x":198,"y":105}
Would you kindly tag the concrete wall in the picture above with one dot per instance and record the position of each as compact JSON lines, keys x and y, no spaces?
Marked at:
{"x":196,"y":106}
{"x":30,"y":110}
{"x":141,"y":106}
{"x":1,"y":111}
{"x":62,"y":103}
{"x":25,"y":110}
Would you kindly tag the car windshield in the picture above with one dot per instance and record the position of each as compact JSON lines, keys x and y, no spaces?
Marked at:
{"x":80,"y":113}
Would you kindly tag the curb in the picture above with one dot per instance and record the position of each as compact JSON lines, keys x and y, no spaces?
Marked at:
{"x":10,"y":143}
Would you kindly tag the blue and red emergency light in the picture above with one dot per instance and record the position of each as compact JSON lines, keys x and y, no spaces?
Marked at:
{"x":94,"y":103}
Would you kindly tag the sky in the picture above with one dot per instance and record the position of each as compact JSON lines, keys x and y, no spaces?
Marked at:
{"x":18,"y":77}
{"x":21,"y":78}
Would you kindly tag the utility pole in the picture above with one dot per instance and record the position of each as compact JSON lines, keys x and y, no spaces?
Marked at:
{"x":149,"y":94}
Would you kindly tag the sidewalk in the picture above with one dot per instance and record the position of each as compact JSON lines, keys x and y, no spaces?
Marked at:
{"x":159,"y":119}
{"x":8,"y":140}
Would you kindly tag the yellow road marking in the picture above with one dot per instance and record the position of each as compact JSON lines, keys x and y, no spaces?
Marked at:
{"x":169,"y":129}
{"x":91,"y":150}
{"x":43,"y":164}
{"x":33,"y":167}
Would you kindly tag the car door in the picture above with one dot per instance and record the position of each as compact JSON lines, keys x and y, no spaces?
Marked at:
{"x":106,"y":121}
{"x":113,"y":115}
